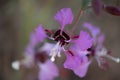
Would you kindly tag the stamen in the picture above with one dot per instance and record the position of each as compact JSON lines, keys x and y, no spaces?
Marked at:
{"x":55,"y":51}
{"x":117,"y":60}
{"x":52,"y":59}
{"x":16,"y":65}
{"x":99,"y":62}
{"x":103,"y":53}
{"x":64,"y":49}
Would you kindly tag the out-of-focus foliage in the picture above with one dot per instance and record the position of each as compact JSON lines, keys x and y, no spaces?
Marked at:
{"x":85,"y":3}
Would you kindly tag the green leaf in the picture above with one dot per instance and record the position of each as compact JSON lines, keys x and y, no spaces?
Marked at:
{"x":85,"y":3}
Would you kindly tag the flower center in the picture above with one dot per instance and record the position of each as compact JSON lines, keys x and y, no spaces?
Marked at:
{"x":63,"y":38}
{"x":55,"y":51}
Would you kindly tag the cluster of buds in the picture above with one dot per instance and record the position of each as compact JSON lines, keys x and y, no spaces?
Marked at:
{"x":79,"y":49}
{"x":98,"y":6}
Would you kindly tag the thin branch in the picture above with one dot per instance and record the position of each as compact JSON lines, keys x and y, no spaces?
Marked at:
{"x":76,"y":22}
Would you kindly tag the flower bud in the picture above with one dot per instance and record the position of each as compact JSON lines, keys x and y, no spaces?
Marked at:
{"x":97,"y":6}
{"x":114,"y":10}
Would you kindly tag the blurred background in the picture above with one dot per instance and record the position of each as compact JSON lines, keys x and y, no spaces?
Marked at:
{"x":19,"y":17}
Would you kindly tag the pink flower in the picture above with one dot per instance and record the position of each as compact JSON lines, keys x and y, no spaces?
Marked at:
{"x":93,"y":30}
{"x":98,"y":51}
{"x":76,"y":57}
{"x":100,"y":41}
{"x":62,"y":39}
{"x":82,"y":69}
{"x":77,"y":61}
{"x":40,"y":33}
{"x":33,"y":39}
{"x":84,"y":41}
{"x":64,"y":17}
{"x":48,"y":70}
{"x":72,"y":60}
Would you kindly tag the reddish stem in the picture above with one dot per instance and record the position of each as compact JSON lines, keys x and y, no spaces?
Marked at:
{"x":76,"y":22}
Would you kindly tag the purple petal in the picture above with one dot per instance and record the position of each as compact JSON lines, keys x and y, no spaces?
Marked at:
{"x":40,"y":33}
{"x":29,"y":49}
{"x":33,"y":39}
{"x":77,"y":51}
{"x":47,"y":47}
{"x":101,"y":39}
{"x":72,"y":61}
{"x":64,"y":16}
{"x":28,"y":60}
{"x":94,"y":30}
{"x":48,"y":71}
{"x":82,"y":69}
{"x":84,"y":41}
{"x":79,"y":64}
